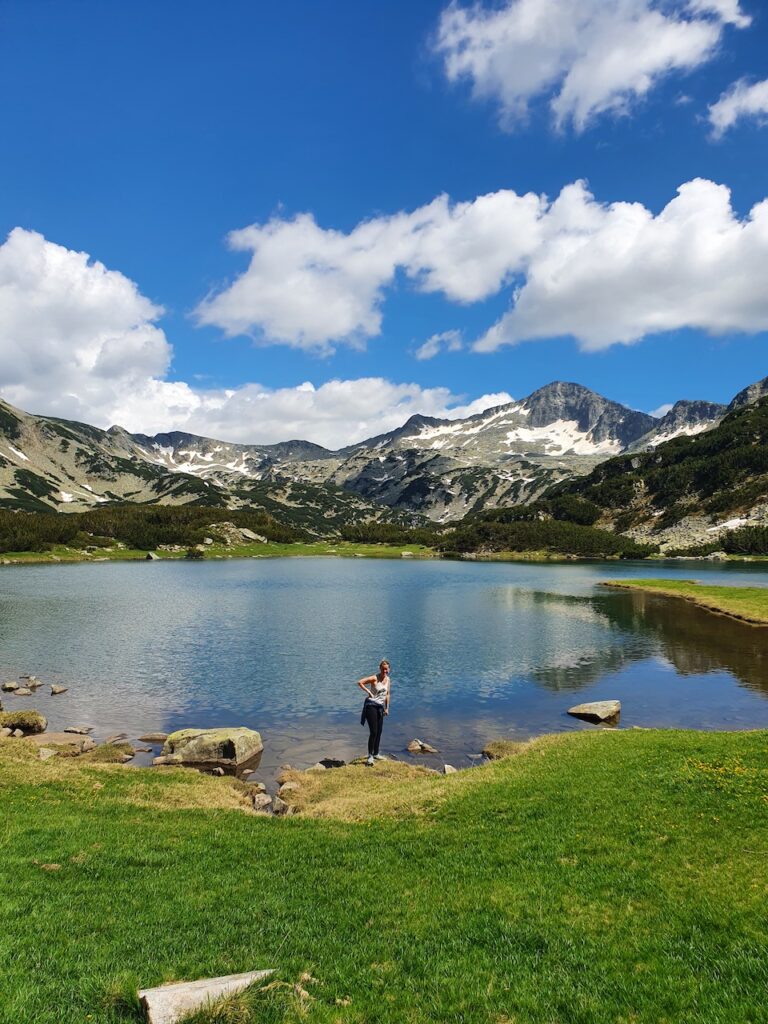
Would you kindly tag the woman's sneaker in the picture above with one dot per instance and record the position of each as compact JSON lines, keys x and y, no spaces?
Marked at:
{"x":369,"y":762}
{"x":379,"y":757}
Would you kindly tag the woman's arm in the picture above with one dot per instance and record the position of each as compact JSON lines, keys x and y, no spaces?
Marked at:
{"x":365,"y":682}
{"x":386,"y":699}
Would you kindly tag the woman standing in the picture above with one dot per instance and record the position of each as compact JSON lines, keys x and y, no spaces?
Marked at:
{"x":376,"y":706}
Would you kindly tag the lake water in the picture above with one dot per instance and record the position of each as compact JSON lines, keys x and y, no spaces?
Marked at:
{"x":478,"y":650}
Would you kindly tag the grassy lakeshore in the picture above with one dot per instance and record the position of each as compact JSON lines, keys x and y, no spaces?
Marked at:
{"x":341,"y":549}
{"x":749,"y":604}
{"x":602,"y":876}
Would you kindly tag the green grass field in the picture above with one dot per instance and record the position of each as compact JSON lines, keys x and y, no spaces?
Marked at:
{"x":603,"y":876}
{"x":747,"y":603}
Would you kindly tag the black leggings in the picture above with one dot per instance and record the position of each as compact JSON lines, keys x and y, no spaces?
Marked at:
{"x":374,"y":716}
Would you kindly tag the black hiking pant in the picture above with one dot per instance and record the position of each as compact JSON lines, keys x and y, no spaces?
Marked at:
{"x":374,"y":716}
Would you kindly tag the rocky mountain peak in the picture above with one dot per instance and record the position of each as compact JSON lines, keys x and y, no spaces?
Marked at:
{"x":750,"y":395}
{"x":599,"y":417}
{"x":687,"y":413}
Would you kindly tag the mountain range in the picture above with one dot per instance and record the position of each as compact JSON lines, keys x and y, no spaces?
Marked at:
{"x":427,"y":469}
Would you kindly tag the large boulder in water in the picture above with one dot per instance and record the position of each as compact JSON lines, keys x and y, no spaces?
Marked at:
{"x":228,"y":748}
{"x":597,"y":711}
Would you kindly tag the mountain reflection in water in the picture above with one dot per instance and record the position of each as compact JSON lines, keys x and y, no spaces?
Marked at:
{"x":478,"y":650}
{"x":692,"y":639}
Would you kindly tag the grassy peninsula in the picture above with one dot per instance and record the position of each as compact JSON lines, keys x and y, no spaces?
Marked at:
{"x":750,"y":604}
{"x":590,"y":878}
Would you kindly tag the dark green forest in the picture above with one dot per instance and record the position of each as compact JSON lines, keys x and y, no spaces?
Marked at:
{"x":137,"y":526}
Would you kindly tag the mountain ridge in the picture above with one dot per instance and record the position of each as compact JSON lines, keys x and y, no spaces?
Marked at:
{"x":433,"y":467}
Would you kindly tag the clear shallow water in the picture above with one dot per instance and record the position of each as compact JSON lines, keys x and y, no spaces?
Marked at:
{"x":478,"y":650}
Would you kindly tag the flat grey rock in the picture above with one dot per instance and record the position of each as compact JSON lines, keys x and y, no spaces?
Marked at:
{"x":79,"y":730}
{"x":154,"y":737}
{"x":168,"y":1004}
{"x":56,"y":690}
{"x":597,"y":711}
{"x":60,"y":739}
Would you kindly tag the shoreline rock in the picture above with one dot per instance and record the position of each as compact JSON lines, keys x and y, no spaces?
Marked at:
{"x":211,"y":748}
{"x":418,"y":746}
{"x":597,"y":711}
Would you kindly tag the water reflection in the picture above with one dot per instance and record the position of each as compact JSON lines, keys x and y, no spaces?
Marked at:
{"x":477,"y":650}
{"x":693,"y":640}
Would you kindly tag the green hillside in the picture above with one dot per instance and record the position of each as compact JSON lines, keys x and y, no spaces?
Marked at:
{"x":720,"y":472}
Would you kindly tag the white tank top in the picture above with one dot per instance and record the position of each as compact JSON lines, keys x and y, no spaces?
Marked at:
{"x":379,"y":692}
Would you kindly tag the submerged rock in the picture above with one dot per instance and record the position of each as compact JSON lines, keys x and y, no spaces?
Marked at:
{"x":212,"y":747}
{"x":597,"y":711}
{"x":418,"y":746}
{"x":22,"y":691}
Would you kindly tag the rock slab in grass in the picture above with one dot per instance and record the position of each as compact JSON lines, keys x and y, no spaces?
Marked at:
{"x":168,"y":1004}
{"x":78,"y":744}
{"x":597,"y":711}
{"x":211,"y":747}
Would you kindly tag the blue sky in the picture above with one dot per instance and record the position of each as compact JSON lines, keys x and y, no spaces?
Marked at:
{"x":143,"y":134}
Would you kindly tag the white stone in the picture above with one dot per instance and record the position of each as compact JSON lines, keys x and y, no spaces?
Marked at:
{"x":168,"y":1004}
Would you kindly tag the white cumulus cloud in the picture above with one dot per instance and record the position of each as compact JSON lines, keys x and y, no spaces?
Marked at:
{"x":73,"y":334}
{"x":602,"y":273}
{"x":617,"y":273}
{"x":743,"y":100}
{"x":80,"y":341}
{"x":586,"y":58}
{"x":312,"y":288}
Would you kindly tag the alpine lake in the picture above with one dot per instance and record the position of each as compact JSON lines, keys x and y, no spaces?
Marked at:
{"x":478,"y":650}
